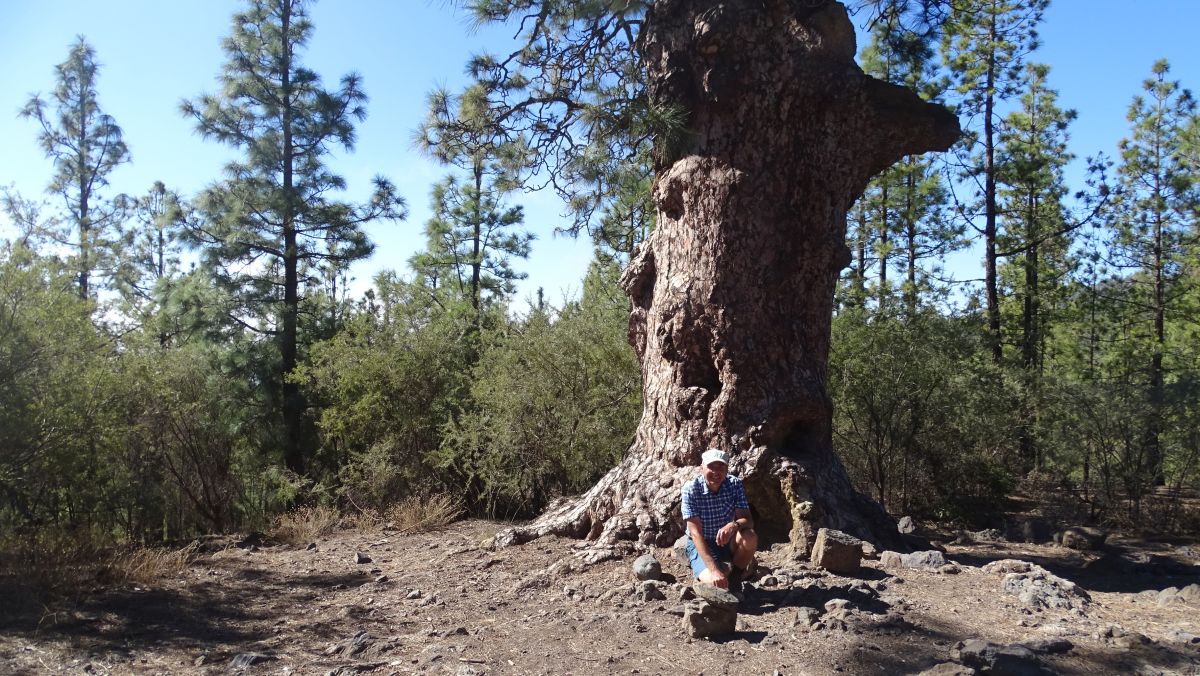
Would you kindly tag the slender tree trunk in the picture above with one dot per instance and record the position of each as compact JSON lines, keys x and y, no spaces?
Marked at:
{"x":85,"y":220}
{"x":910,"y":229}
{"x":1029,"y":337}
{"x":1154,"y":424}
{"x":293,"y":404}
{"x":884,"y":243}
{"x":477,"y":241}
{"x":733,"y":291}
{"x":989,"y":206}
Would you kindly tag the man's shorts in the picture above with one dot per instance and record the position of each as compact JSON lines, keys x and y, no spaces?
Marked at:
{"x":722,"y":553}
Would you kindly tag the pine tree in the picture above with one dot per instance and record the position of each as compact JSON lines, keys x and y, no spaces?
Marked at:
{"x":985,"y":45}
{"x":272,"y":217}
{"x":904,"y":205}
{"x":1155,"y":214}
{"x":471,"y":242}
{"x":86,"y":145}
{"x":1037,"y":237}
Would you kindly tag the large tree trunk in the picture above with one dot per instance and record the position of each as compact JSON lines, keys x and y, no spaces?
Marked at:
{"x":733,"y":292}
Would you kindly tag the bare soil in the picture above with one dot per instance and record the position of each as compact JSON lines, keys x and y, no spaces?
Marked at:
{"x":443,"y":602}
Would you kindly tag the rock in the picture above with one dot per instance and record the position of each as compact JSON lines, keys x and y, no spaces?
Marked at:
{"x":381,"y":579}
{"x":1130,"y":640}
{"x":361,"y":557}
{"x":928,"y":560}
{"x":1168,"y":596}
{"x":679,"y":549}
{"x":1035,"y":530}
{"x":1049,"y":646}
{"x":243,"y":660}
{"x":1183,"y":637}
{"x":1083,"y":538}
{"x":949,"y":569}
{"x":311,"y":546}
{"x":990,"y":658}
{"x":890,"y":559}
{"x":837,"y":552}
{"x":906,"y":525}
{"x":869,"y":551}
{"x":713,"y":614}
{"x":807,"y":616}
{"x":1190,"y":594}
{"x":838,"y":608}
{"x":715,"y":595}
{"x":1039,"y":589}
{"x":650,"y":591}
{"x":768,"y":581}
{"x":1004,"y":566}
{"x":646,"y":567}
{"x":948,"y":669}
{"x":414,"y":594}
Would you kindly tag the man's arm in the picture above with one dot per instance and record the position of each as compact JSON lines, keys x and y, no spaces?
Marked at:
{"x":713,"y":574}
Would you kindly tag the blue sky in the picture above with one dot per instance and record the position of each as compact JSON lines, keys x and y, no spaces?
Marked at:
{"x":154,"y":53}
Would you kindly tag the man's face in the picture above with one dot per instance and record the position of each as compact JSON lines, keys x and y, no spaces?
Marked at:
{"x":714,"y":473}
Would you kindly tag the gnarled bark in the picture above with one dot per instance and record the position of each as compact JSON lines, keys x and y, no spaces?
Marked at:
{"x":733,"y":292}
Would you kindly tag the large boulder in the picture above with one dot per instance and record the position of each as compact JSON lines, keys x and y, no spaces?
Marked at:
{"x":837,"y":552}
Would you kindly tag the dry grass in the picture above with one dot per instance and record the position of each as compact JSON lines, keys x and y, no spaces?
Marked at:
{"x":145,"y":565}
{"x":304,"y":525}
{"x":416,"y":514}
{"x":52,"y":559}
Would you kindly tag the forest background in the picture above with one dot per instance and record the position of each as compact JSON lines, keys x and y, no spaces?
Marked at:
{"x":1019,"y":313}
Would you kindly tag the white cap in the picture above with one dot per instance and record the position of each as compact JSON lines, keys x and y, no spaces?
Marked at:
{"x":713,"y":455}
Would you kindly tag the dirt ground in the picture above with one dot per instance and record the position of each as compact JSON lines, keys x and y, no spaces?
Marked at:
{"x":443,"y":602}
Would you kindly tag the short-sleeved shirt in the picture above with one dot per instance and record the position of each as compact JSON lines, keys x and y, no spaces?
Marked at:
{"x":714,"y":509}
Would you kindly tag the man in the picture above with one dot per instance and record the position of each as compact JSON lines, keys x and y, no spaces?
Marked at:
{"x":719,"y":527}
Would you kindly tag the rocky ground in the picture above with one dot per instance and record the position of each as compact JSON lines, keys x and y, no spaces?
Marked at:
{"x":443,"y":602}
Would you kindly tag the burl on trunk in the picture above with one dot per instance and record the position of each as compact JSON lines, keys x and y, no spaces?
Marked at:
{"x":733,"y":292}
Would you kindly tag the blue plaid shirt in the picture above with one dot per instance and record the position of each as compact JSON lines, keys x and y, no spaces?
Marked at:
{"x":714,"y":509}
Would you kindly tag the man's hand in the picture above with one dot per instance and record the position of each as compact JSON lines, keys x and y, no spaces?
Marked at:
{"x":725,"y":535}
{"x":715,"y":577}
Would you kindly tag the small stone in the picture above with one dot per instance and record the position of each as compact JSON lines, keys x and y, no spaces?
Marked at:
{"x":950,"y":569}
{"x":243,"y":660}
{"x":414,"y":594}
{"x":361,"y":557}
{"x":1183,"y":637}
{"x":381,"y":579}
{"x":646,"y":567}
{"x":948,"y":669}
{"x":679,"y":549}
{"x":1190,"y":594}
{"x":311,"y":546}
{"x":650,"y":591}
{"x":769,"y":581}
{"x":807,"y":616}
{"x":890,"y":559}
{"x":906,"y":525}
{"x":869,"y":551}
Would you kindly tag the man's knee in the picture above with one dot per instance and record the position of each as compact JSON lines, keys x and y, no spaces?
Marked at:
{"x":746,"y":539}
